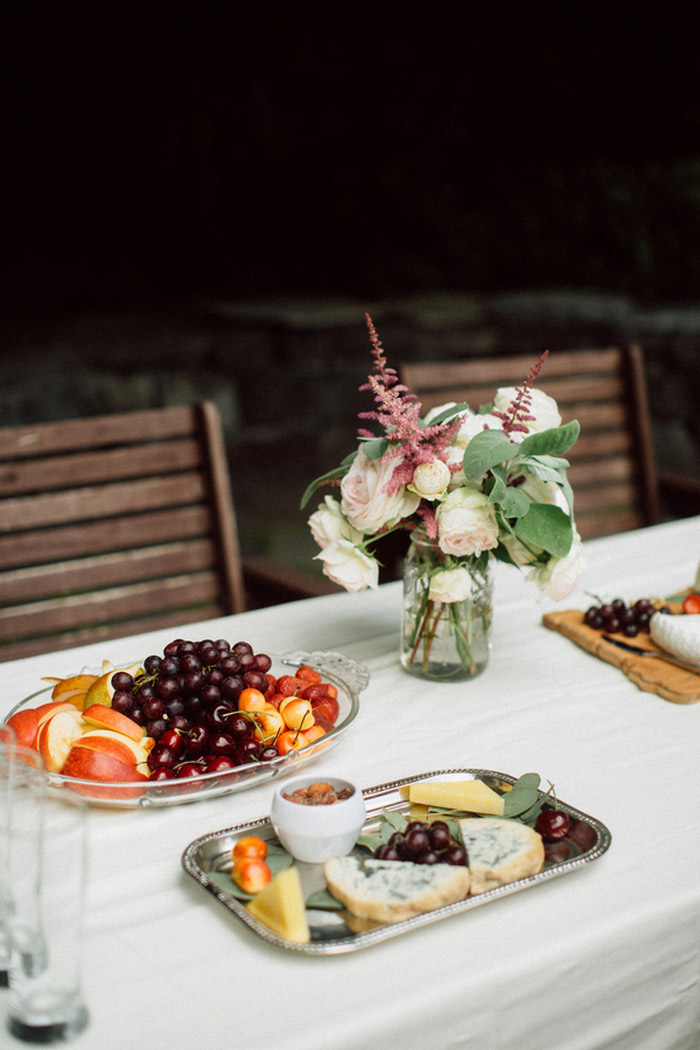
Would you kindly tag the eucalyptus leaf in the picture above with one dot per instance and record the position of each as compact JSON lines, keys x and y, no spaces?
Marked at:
{"x":370,"y":842}
{"x":546,"y":526}
{"x":486,"y":449}
{"x":396,"y":821}
{"x":522,"y":796}
{"x":322,"y":900}
{"x":551,"y":442}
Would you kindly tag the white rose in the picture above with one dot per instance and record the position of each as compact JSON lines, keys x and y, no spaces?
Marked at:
{"x":328,"y":524}
{"x":348,"y":566}
{"x":450,"y":585}
{"x":366,"y":503}
{"x":455,"y":456}
{"x":473,"y":424}
{"x":466,"y":522}
{"x":559,"y":576}
{"x":544,"y":492}
{"x":542,"y":407}
{"x":430,"y":480}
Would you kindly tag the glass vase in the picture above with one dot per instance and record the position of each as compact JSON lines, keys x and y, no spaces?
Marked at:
{"x":444,"y":640}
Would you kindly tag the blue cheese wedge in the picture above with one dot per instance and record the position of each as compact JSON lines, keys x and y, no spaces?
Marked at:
{"x":392,"y":890}
{"x":499,"y":851}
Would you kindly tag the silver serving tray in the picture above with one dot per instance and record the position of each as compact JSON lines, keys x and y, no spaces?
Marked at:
{"x":210,"y":856}
{"x":350,"y":678}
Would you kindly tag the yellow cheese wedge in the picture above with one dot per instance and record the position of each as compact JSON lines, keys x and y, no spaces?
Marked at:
{"x":280,"y":906}
{"x":472,"y":796}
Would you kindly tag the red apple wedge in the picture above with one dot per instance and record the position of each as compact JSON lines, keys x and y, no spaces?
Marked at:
{"x":55,"y":737}
{"x":109,"y":742}
{"x":25,"y":724}
{"x":88,"y":763}
{"x":107,"y":718}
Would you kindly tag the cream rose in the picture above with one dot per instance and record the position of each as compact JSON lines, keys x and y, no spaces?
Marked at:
{"x":466,"y":522}
{"x":366,"y":503}
{"x":559,"y":576}
{"x":348,"y":566}
{"x":542,"y":407}
{"x":473,"y":424}
{"x":450,"y":585}
{"x":430,"y":480}
{"x":328,"y":524}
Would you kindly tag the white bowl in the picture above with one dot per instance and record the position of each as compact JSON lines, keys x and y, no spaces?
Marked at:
{"x":315,"y":833}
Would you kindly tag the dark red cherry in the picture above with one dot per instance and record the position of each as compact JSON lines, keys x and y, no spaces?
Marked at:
{"x":553,"y":825}
{"x":218,"y":763}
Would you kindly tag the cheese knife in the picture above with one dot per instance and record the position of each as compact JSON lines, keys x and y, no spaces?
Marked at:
{"x":658,"y":655}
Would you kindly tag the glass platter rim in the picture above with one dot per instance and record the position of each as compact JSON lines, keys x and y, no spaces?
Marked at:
{"x":357,"y":941}
{"x":350,"y":675}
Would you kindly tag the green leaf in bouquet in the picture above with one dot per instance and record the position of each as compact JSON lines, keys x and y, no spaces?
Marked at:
{"x":501,"y":553}
{"x":374,"y":448}
{"x":545,"y":468}
{"x":486,"y":449}
{"x":514,"y":503}
{"x":496,"y":487}
{"x":552,"y":442}
{"x":448,"y":413}
{"x":332,"y":475}
{"x":548,"y":468}
{"x":546,"y":526}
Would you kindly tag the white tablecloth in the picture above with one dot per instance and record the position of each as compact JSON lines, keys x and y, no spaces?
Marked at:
{"x":605,"y":957}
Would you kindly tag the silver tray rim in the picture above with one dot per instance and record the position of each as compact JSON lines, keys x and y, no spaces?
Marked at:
{"x":358,"y":941}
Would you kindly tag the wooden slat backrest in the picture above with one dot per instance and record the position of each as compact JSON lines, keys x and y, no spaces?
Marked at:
{"x":113,"y":525}
{"x":612,"y":466}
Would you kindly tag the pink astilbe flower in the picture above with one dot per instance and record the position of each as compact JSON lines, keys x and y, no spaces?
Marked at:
{"x":518,"y":415}
{"x":399,"y":415}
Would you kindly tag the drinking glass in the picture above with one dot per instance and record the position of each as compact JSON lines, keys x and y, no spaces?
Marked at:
{"x":8,"y":740}
{"x":47,"y":847}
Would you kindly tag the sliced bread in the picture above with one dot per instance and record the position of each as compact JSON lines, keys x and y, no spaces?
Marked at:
{"x":392,"y":890}
{"x":499,"y":851}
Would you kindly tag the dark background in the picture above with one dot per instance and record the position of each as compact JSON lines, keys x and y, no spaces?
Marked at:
{"x":357,"y":150}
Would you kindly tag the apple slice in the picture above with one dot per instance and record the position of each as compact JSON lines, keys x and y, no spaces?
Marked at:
{"x":110,"y":742}
{"x":87,"y":763}
{"x":25,"y":724}
{"x":107,"y":718}
{"x":46,"y":711}
{"x":55,"y":737}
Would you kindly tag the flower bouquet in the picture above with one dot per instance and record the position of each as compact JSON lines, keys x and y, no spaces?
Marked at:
{"x":469,"y":486}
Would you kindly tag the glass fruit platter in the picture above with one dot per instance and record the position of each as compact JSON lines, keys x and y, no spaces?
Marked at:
{"x":208,"y":860}
{"x":349,"y":677}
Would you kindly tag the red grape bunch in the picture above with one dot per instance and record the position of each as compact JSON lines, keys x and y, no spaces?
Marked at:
{"x":186,"y":700}
{"x":618,"y":617}
{"x":423,"y":843}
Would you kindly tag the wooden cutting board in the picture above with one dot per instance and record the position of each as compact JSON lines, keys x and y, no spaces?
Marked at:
{"x":651,"y":675}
